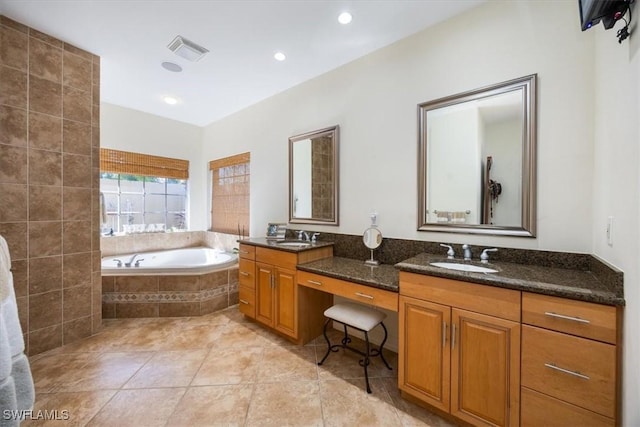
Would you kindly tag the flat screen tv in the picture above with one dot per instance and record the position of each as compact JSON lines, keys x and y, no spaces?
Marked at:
{"x":607,"y":11}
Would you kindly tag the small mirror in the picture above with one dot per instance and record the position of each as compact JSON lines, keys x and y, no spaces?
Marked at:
{"x":313,"y":177}
{"x":372,"y":239}
{"x":477,"y":161}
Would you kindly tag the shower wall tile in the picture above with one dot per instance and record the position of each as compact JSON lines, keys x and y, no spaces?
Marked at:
{"x":13,"y":164}
{"x":45,"y":61}
{"x":20,"y":269}
{"x":42,"y":79}
{"x":45,"y":96}
{"x":45,"y":167}
{"x":45,"y":339}
{"x":45,"y":132}
{"x":13,"y":202}
{"x":77,"y":105}
{"x":13,"y":87}
{"x":77,"y":71}
{"x":15,"y":233}
{"x":45,"y":238}
{"x":75,"y":202}
{"x":13,"y":48}
{"x":76,"y":303}
{"x":76,"y":137}
{"x":45,"y":203}
{"x":77,"y":171}
{"x":76,"y":236}
{"x":45,"y":310}
{"x":76,"y":270}
{"x":13,"y":126}
{"x":45,"y":274}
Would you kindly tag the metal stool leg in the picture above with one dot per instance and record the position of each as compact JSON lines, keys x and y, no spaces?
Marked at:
{"x":378,"y":351}
{"x":324,"y":332}
{"x":365,"y":362}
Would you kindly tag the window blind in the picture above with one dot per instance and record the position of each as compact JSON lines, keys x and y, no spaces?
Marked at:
{"x":230,"y":194}
{"x":116,"y":161}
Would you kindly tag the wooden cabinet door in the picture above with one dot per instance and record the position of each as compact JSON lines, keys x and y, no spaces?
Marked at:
{"x":424,"y":357}
{"x":265,"y":282}
{"x":485,"y":369}
{"x":286,"y":297}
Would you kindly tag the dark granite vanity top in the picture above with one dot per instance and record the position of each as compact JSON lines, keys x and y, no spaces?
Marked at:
{"x":581,"y":285}
{"x":273,"y":244}
{"x":353,"y":270}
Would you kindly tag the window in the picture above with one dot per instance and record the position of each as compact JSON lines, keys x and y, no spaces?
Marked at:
{"x":143,"y":192}
{"x":230,"y":194}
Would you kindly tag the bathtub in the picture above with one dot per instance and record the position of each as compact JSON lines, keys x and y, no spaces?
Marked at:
{"x":182,"y":262}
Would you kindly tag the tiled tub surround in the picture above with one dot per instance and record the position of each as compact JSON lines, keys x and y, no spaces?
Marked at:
{"x":49,"y":210}
{"x":147,"y":242}
{"x":169,"y":296}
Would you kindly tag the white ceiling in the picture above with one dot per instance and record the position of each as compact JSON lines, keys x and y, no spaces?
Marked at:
{"x":131,"y":37}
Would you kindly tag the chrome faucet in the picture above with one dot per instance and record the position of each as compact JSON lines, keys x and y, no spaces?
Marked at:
{"x":303,"y":235}
{"x":314,"y":238}
{"x":450,"y":253}
{"x":484,"y":257}
{"x":467,"y":252}
{"x":133,"y":257}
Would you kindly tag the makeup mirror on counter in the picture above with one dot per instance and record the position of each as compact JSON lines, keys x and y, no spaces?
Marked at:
{"x":313,"y":177}
{"x":476,"y":161}
{"x":372,"y":239}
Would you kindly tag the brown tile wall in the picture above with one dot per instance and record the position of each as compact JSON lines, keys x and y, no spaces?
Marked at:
{"x":169,"y":296}
{"x":49,"y":145}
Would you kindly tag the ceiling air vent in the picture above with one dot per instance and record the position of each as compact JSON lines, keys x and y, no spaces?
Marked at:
{"x":187,"y":49}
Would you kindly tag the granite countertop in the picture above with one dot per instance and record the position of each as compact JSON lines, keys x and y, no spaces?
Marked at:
{"x":381,"y":276}
{"x":566,"y":283}
{"x":273,"y":244}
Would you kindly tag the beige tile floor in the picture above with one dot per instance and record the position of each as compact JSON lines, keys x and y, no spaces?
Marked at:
{"x":214,"y":370}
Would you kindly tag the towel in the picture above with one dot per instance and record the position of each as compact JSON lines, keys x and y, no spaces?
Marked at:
{"x":8,"y":402}
{"x":5,"y":269}
{"x":9,"y":310}
{"x":5,"y":353}
{"x":23,"y":381}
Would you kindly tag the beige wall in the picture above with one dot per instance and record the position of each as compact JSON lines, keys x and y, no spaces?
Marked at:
{"x":49,"y":141}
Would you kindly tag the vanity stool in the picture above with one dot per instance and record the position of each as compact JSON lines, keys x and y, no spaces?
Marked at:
{"x":357,"y":317}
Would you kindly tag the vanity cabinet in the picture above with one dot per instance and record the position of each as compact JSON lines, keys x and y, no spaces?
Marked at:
{"x":268,"y":290}
{"x":569,"y":362}
{"x":246,"y":281}
{"x":459,"y":348}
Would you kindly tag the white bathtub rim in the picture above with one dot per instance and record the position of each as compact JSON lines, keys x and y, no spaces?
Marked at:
{"x":167,"y":271}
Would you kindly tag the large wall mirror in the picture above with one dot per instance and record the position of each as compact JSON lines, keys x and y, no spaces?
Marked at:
{"x":477,"y":161}
{"x":313,"y":177}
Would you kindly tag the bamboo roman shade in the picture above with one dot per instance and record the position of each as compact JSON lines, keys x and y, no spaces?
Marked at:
{"x":116,"y":161}
{"x":230,"y":194}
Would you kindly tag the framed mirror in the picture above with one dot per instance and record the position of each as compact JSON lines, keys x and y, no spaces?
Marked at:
{"x":313,"y":177}
{"x":477,"y":163}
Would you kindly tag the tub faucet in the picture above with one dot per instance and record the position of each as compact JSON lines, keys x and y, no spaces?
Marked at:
{"x":133,"y":257}
{"x":467,"y":252}
{"x":118,"y":262}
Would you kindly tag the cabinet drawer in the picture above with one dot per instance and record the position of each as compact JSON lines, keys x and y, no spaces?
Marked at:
{"x":275,"y":257}
{"x":365,"y":294}
{"x":247,"y":251}
{"x":569,"y":368}
{"x":247,"y":273}
{"x":498,"y":302}
{"x":247,"y":301}
{"x":541,"y":410}
{"x":585,"y":319}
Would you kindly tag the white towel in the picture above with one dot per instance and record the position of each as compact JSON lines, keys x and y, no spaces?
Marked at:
{"x":5,"y":352}
{"x":25,"y":390}
{"x":5,"y":269}
{"x":11,"y":322}
{"x":8,"y":402}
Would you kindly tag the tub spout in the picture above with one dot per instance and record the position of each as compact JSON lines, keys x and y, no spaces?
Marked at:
{"x":133,"y":257}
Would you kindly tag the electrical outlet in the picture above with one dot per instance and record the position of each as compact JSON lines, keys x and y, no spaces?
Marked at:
{"x":610,"y":231}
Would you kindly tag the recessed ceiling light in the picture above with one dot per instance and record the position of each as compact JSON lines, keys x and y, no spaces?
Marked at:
{"x":170,"y":66}
{"x":170,"y":100}
{"x":345,"y":18}
{"x":279,"y":56}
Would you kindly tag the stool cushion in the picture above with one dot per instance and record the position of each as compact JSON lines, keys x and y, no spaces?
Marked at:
{"x":356,"y":315}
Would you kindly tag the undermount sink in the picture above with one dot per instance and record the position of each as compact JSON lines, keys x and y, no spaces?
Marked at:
{"x":294,"y":244}
{"x":463,"y":267}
